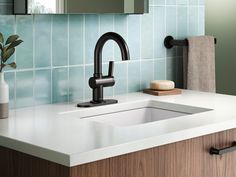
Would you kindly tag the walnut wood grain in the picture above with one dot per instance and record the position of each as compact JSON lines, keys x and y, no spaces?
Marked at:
{"x":95,"y":169}
{"x":188,"y":158}
{"x":17,"y":164}
{"x":163,"y":93}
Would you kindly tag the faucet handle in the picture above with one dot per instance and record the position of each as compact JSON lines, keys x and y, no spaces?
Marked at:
{"x":111,"y":69}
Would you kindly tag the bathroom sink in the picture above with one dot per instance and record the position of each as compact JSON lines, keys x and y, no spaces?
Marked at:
{"x":141,"y":113}
{"x":136,"y":116}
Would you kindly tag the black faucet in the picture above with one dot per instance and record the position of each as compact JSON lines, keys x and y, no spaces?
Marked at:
{"x":98,"y":81}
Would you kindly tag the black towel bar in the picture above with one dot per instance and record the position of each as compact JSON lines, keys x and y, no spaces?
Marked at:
{"x":170,"y":42}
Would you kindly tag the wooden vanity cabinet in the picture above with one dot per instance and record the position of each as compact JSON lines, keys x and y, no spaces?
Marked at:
{"x":188,"y":158}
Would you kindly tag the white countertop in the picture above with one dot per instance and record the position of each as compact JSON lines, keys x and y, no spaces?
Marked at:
{"x":56,"y":132}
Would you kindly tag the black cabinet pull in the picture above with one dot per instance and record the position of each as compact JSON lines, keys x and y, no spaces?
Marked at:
{"x":214,"y":151}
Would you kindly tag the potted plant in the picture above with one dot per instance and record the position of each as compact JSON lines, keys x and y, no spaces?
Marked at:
{"x":7,"y":49}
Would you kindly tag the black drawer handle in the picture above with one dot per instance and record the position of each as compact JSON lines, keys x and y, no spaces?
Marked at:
{"x":214,"y":151}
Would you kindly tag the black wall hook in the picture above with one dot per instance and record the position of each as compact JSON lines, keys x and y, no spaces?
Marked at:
{"x":170,"y":42}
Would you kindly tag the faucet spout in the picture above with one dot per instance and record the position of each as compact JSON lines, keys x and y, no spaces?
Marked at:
{"x":99,"y":46}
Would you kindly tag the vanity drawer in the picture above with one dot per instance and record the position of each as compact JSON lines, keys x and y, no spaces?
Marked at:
{"x":192,"y":158}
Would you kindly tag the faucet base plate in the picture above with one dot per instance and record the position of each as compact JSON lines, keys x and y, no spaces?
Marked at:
{"x":93,"y":104}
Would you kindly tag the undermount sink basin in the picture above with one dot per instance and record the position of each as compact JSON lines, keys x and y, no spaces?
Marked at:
{"x":141,"y":113}
{"x":136,"y":116}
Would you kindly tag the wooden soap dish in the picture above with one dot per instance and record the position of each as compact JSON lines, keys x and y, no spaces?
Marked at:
{"x":163,"y":93}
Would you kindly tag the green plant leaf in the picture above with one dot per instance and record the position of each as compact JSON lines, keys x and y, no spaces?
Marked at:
{"x":14,"y":44}
{"x":1,"y":48}
{"x":1,"y":38}
{"x":13,"y":65}
{"x":11,"y":39}
{"x":7,"y":53}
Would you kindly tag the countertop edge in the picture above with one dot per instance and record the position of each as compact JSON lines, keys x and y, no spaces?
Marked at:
{"x":173,"y":137}
{"x":36,"y":151}
{"x":71,"y":160}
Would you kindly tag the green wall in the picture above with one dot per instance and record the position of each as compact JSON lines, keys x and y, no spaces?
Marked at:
{"x":221,"y":22}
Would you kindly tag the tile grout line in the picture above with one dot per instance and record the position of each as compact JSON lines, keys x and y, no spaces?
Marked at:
{"x":51,"y":57}
{"x":127,"y":64}
{"x":198,"y":20}
{"x":153,"y":41}
{"x":165,"y":32}
{"x":140,"y":51}
{"x":68,"y":58}
{"x":113,"y":48}
{"x":81,"y":65}
{"x":198,"y":16}
{"x":176,"y":4}
{"x":176,"y":31}
{"x":15,"y":83}
{"x":99,"y":33}
{"x":188,"y":23}
{"x":177,"y":47}
{"x":34,"y":73}
{"x":84,"y":68}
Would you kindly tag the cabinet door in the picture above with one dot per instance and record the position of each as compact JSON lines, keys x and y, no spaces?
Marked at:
{"x":219,"y":165}
{"x":191,"y":158}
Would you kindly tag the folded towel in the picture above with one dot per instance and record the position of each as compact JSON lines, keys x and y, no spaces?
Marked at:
{"x":199,"y":64}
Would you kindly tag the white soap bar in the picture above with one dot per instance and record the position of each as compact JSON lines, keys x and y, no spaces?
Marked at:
{"x":162,"y":85}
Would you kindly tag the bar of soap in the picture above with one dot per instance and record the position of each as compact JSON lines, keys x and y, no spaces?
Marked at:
{"x":162,"y":85}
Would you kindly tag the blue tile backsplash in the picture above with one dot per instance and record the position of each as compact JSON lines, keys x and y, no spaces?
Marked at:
{"x":56,"y":58}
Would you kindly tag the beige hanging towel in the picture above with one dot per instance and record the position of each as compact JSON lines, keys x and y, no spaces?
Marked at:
{"x":199,"y":64}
